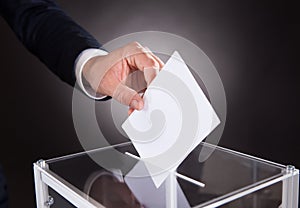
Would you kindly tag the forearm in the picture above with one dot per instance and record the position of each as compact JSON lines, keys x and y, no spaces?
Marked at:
{"x":48,"y":33}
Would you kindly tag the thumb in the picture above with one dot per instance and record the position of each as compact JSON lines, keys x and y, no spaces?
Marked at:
{"x":128,"y":96}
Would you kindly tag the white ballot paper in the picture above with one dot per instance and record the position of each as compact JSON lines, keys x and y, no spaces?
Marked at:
{"x":148,"y":195}
{"x":176,"y":117}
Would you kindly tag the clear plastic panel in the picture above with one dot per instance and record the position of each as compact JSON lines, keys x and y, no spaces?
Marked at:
{"x":59,"y":201}
{"x":269,"y":197}
{"x":225,"y":173}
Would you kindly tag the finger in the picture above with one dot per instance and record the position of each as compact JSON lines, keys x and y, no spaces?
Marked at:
{"x":144,"y":60}
{"x":137,"y":102}
{"x":161,"y":63}
{"x":136,"y":80}
{"x":130,"y":111}
{"x":141,"y":93}
{"x":147,"y":64}
{"x":150,"y":74}
{"x":140,"y":58}
{"x":128,"y":96}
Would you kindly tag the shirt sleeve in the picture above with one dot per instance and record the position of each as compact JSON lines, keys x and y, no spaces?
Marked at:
{"x":81,"y":60}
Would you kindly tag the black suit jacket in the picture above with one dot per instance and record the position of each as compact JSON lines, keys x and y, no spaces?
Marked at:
{"x":3,"y":191}
{"x":48,"y":33}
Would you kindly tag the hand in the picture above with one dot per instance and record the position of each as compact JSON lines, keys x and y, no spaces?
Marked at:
{"x":110,"y":74}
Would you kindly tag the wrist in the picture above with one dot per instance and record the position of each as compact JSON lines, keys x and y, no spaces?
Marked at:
{"x":87,"y":71}
{"x":84,"y":65}
{"x":93,"y":71}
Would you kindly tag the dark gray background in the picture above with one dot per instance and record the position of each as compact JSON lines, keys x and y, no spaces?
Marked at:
{"x":253,"y":44}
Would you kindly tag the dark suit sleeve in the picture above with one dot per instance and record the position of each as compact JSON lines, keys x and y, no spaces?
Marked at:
{"x":48,"y":33}
{"x":3,"y":190}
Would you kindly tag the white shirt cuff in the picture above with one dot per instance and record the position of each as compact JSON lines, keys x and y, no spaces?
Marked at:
{"x":81,"y":60}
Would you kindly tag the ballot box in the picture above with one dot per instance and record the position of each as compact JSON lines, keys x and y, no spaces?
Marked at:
{"x":225,"y":178}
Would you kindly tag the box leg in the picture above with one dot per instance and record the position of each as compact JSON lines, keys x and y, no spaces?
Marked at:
{"x":290,"y":188}
{"x":43,"y":200}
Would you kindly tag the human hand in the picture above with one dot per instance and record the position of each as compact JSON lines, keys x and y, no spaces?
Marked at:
{"x":110,"y":74}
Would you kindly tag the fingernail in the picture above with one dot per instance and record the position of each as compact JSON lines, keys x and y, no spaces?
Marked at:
{"x":134,"y":104}
{"x":141,"y":105}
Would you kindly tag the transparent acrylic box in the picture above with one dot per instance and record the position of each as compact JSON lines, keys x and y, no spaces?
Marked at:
{"x":231,"y":179}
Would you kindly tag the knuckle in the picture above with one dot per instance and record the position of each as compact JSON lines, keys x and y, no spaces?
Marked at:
{"x":135,"y":44}
{"x":151,"y":61}
{"x":133,"y":48}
